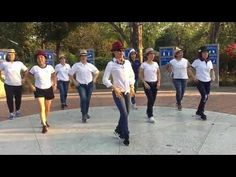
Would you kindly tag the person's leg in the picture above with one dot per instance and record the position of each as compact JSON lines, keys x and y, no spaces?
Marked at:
{"x":66,"y":86}
{"x":9,"y":96}
{"x":47,"y":109}
{"x":154,"y":95}
{"x":123,"y":121}
{"x":89,"y":90}
{"x":149,"y":95}
{"x":62,"y":93}
{"x":183,"y":85}
{"x":204,"y":97}
{"x":207,"y":86}
{"x":18,"y":97}
{"x":42,"y":109}
{"x":83,"y":100}
{"x":178,"y":88}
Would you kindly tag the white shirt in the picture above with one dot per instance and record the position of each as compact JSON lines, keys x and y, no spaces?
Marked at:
{"x":42,"y":76}
{"x":12,"y":72}
{"x":202,"y":70}
{"x":62,"y":72}
{"x":83,"y":72}
{"x":150,"y":71}
{"x":122,"y":75}
{"x":179,"y":68}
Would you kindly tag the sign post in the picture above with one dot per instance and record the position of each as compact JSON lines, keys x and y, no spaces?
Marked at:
{"x":214,"y":57}
{"x":166,"y":54}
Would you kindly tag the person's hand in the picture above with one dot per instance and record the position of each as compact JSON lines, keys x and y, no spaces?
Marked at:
{"x":117,"y":91}
{"x":213,"y":78}
{"x":22,"y":81}
{"x":54,"y":87}
{"x":76,"y":83}
{"x":195,"y":80}
{"x":146,"y":85}
{"x":33,"y":88}
{"x":132,"y":92}
{"x":158,"y":85}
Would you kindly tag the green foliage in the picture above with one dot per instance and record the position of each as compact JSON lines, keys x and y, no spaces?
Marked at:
{"x":101,"y":62}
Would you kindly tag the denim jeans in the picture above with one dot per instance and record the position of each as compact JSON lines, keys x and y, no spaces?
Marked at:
{"x":123,"y":104}
{"x":135,"y":90}
{"x":180,"y":85}
{"x":204,"y":89}
{"x":151,"y":96}
{"x":63,"y":88}
{"x":85,"y":92}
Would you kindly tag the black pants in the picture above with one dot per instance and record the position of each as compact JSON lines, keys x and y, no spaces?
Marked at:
{"x":16,"y":92}
{"x":151,"y":96}
{"x":204,"y":89}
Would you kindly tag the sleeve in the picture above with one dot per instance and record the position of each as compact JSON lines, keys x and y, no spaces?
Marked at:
{"x":72,"y":70}
{"x":106,"y":75}
{"x":194,"y":64}
{"x":23,"y":67}
{"x":32,"y":70}
{"x":156,"y":65}
{"x":131,"y":74}
{"x":211,"y":65}
{"x":94,"y":69}
{"x":52,"y":69}
{"x":1,"y":66}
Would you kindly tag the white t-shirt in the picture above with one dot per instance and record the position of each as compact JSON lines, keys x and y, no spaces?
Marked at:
{"x":42,"y":76}
{"x":83,"y":72}
{"x":122,"y":75}
{"x":202,"y":70}
{"x":150,"y":71}
{"x":12,"y":72}
{"x":179,"y":68}
{"x":62,"y":72}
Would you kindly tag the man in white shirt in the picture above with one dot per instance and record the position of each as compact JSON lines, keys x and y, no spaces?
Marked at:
{"x":84,"y":75}
{"x":62,"y":72}
{"x":122,"y":87}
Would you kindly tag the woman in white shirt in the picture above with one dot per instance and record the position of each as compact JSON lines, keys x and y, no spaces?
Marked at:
{"x":62,"y":72}
{"x":179,"y":68}
{"x":204,"y":75}
{"x":151,"y":78}
{"x":84,"y":75}
{"x":122,"y":87}
{"x":13,"y":82}
{"x":44,"y":85}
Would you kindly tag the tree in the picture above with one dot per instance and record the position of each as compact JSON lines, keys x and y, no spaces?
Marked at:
{"x":54,"y":32}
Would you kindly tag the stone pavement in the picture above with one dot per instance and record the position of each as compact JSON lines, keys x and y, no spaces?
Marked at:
{"x":175,"y":132}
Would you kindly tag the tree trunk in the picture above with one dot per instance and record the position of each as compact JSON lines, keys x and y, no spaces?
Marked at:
{"x":214,"y":31}
{"x":58,"y":48}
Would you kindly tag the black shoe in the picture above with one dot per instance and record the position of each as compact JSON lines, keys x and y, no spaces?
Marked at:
{"x":66,"y":105}
{"x":88,"y":116}
{"x":126,"y":142}
{"x":44,"y":129}
{"x":203,"y":116}
{"x":47,"y":124}
{"x":179,"y":107}
{"x":84,"y":118}
{"x":62,"y":106}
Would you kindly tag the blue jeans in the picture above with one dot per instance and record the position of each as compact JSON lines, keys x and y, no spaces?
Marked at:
{"x":204,"y":89}
{"x":85,"y":92}
{"x":180,"y":85}
{"x":63,"y":88}
{"x":123,"y":104}
{"x":151,"y":96}
{"x":135,"y":90}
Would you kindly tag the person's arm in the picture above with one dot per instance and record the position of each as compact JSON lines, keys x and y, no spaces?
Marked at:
{"x":54,"y":80}
{"x":141,"y":76}
{"x":95,"y":74}
{"x":72,"y":76}
{"x":158,"y":78}
{"x":1,"y":78}
{"x":28,"y":78}
{"x":169,"y":68}
{"x":190,"y":71}
{"x":212,"y":74}
{"x":131,"y":80}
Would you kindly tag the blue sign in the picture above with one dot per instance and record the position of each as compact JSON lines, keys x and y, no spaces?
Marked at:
{"x":90,"y":56}
{"x":213,"y":52}
{"x":126,"y":53}
{"x":2,"y":55}
{"x":166,"y":54}
{"x":50,"y":57}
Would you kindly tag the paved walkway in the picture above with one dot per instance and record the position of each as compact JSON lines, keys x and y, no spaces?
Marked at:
{"x":176,"y":132}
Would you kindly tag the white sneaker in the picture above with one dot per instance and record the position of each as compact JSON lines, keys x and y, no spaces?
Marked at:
{"x":134,"y":106}
{"x":151,"y":120}
{"x":18,"y":113}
